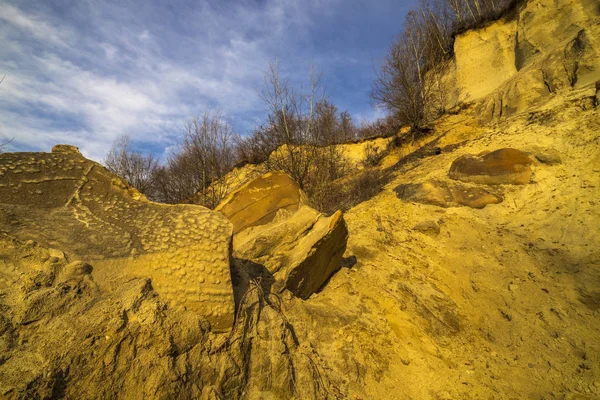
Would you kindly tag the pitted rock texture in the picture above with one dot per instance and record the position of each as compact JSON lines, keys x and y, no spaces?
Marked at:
{"x":63,"y":335}
{"x":447,"y":194}
{"x":65,"y":148}
{"x":301,"y":251}
{"x":63,"y":200}
{"x":258,"y":201}
{"x":502,"y":166}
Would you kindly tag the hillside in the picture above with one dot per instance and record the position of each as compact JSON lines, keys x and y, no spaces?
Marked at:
{"x":473,"y":273}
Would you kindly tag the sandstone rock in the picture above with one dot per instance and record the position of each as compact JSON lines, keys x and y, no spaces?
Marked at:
{"x":65,"y":148}
{"x":119,"y":340}
{"x":445,"y":194}
{"x":301,"y":251}
{"x":485,"y":58}
{"x":519,"y":61}
{"x":430,"y":227}
{"x":258,"y":201}
{"x":74,"y":270}
{"x":549,"y":157}
{"x":56,"y":253}
{"x":503,"y":166}
{"x":93,"y":215}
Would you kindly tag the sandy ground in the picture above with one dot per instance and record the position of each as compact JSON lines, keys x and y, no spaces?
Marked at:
{"x":502,"y":303}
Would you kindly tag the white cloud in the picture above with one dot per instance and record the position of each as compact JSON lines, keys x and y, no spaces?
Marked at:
{"x":109,"y":51}
{"x":107,"y":70}
{"x":38,"y":28}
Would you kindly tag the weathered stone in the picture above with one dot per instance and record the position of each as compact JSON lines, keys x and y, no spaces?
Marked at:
{"x":258,"y":201}
{"x":93,"y":215}
{"x":301,"y":251}
{"x":74,"y":270}
{"x":445,"y":194}
{"x":549,"y":157}
{"x":513,"y":64}
{"x":430,"y":227}
{"x":118,"y":340}
{"x":502,"y":166}
{"x":56,"y":253}
{"x":65,"y":148}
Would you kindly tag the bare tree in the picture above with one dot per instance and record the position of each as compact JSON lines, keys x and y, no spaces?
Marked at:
{"x":291,"y":123}
{"x":409,"y":82}
{"x":347,"y":128}
{"x":198,"y":168}
{"x":400,"y":86}
{"x":466,"y":14}
{"x":137,"y":168}
{"x":209,"y":144}
{"x":327,"y":129}
{"x":256,"y":147}
{"x":301,"y":128}
{"x":5,"y":143}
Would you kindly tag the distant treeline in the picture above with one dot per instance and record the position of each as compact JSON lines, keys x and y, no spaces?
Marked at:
{"x":296,"y":137}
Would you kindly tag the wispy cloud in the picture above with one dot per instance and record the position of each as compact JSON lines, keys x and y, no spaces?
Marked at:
{"x":95,"y":70}
{"x":38,"y":28}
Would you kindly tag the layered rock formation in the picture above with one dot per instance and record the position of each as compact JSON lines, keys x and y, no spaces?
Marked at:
{"x":432,"y":302}
{"x":104,"y":294}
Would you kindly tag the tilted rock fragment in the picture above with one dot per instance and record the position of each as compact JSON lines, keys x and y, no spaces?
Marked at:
{"x":258,"y":201}
{"x":301,"y":251}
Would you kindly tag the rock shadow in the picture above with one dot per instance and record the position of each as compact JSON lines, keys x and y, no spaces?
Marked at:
{"x":243,"y":272}
{"x":349,"y":262}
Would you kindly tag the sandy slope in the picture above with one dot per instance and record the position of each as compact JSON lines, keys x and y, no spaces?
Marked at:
{"x":503,"y":303}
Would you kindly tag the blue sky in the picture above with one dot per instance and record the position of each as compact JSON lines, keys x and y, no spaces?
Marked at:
{"x":84,"y":72}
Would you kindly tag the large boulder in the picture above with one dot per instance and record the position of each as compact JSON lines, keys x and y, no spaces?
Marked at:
{"x":502,"y":166}
{"x":301,"y":250}
{"x":258,"y":201}
{"x":62,"y":200}
{"x":447,"y":194}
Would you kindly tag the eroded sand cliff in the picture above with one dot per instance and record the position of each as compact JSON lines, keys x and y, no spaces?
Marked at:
{"x":474,"y":273}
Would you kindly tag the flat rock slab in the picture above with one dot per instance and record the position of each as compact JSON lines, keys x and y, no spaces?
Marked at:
{"x":502,"y":166}
{"x":258,"y":201}
{"x":447,"y":194}
{"x":64,"y":201}
{"x":301,"y":251}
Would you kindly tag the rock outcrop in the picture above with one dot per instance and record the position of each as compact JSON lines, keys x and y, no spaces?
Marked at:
{"x":447,"y":194}
{"x":63,"y":335}
{"x":258,"y":201}
{"x":502,"y":166}
{"x":301,"y":250}
{"x":65,"y":201}
{"x":300,"y":247}
{"x":537,"y":50}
